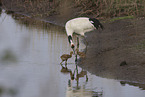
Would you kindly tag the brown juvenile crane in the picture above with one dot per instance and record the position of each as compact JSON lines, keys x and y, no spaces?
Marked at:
{"x":65,"y":57}
{"x":81,"y":54}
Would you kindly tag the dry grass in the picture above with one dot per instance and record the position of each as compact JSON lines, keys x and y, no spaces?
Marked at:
{"x":96,"y":8}
{"x":34,"y":7}
{"x":111,"y":8}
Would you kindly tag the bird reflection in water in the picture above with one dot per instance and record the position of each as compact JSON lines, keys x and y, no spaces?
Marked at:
{"x":65,"y":70}
{"x":77,"y":90}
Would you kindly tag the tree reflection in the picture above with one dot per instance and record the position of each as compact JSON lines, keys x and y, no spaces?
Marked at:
{"x":0,"y":11}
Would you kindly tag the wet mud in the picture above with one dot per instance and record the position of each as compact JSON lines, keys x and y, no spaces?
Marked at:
{"x":117,"y":52}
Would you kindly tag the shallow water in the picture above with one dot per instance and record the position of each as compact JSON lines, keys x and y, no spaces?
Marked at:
{"x":30,"y":53}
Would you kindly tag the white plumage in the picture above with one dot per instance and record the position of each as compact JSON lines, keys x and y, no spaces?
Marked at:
{"x":80,"y":26}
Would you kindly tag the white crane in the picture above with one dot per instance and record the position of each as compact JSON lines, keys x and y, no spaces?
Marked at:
{"x":80,"y":26}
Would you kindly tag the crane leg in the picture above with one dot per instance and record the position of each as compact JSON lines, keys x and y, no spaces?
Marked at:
{"x":77,"y":47}
{"x":78,"y":42}
{"x":76,"y":59}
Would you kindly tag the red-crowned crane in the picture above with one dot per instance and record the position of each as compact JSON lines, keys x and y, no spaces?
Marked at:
{"x":80,"y":26}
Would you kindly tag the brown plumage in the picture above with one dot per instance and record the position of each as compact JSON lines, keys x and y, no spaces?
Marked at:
{"x":81,"y":54}
{"x":65,"y":57}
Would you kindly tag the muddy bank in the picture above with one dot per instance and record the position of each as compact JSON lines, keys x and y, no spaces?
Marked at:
{"x":117,"y":52}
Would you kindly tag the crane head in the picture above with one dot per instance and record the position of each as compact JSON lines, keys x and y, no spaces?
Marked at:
{"x":73,"y":47}
{"x":96,"y":23}
{"x":71,"y":42}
